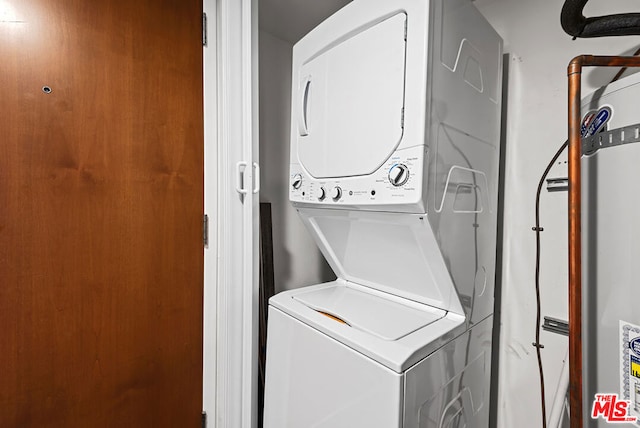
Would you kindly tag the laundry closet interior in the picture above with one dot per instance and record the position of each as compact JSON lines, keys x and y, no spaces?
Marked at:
{"x":533,"y":120}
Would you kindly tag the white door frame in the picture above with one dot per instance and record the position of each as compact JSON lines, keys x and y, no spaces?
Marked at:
{"x":210,"y":73}
{"x":231,"y":271}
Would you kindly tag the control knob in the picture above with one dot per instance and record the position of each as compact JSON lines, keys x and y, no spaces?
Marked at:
{"x":297,"y":181}
{"x":322,"y":195}
{"x":398,"y":175}
{"x":336,"y":193}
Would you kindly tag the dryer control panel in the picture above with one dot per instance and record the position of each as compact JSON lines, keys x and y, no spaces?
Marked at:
{"x":398,"y":182}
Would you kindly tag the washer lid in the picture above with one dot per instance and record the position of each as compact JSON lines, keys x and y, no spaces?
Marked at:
{"x":384,"y":318}
{"x":393,"y":331}
{"x":394,"y":253}
{"x":348,"y":99}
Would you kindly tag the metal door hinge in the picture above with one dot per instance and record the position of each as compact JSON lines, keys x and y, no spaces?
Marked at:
{"x":204,"y":29}
{"x":204,"y":419}
{"x":205,"y":230}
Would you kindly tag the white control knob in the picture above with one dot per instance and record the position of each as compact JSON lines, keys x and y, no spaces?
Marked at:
{"x":336,"y":193}
{"x":398,"y":175}
{"x":322,"y":195}
{"x":297,"y":181}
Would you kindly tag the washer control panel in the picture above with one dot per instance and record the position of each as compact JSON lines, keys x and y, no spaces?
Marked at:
{"x":398,"y":181}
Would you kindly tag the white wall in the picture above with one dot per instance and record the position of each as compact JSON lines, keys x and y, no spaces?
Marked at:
{"x":297,"y":260}
{"x":290,"y":20}
{"x":537,"y":126}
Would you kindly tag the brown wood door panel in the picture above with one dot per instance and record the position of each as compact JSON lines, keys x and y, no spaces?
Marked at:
{"x":101,"y":201}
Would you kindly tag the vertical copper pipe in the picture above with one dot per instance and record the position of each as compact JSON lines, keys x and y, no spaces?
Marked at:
{"x":574,"y":73}
{"x":575,"y":247}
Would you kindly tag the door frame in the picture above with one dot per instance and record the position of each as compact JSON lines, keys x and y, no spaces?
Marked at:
{"x":231,"y":269}
{"x":210,"y":73}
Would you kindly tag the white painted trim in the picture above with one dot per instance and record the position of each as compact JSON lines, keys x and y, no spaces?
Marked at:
{"x":210,"y":83}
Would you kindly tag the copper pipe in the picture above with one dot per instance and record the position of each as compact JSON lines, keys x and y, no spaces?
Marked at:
{"x":623,"y":69}
{"x":574,"y":72}
{"x":575,"y":248}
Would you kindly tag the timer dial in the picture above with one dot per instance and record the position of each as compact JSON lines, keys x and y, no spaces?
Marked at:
{"x":297,"y":181}
{"x":398,"y":175}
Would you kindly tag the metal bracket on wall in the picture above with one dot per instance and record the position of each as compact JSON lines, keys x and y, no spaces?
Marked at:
{"x":559,"y":184}
{"x":615,"y":137}
{"x":555,"y":325}
{"x":602,"y":140}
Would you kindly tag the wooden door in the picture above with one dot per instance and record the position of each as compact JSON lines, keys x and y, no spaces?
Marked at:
{"x":101,"y":199}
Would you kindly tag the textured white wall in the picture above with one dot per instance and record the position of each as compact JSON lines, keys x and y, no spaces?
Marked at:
{"x":537,"y":110}
{"x":297,"y":260}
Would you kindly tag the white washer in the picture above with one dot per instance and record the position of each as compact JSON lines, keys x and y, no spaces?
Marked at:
{"x":394,"y":171}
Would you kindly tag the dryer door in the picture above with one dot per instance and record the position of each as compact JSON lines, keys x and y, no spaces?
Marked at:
{"x":349,"y":99}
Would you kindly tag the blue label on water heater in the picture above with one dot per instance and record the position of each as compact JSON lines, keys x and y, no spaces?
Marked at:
{"x":595,"y":121}
{"x":634,"y":345}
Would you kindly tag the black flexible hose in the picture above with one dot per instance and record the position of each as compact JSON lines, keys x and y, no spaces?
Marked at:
{"x":576,"y":24}
{"x":538,"y":229}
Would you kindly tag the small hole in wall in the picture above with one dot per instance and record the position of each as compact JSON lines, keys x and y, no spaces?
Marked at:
{"x":46,"y":89}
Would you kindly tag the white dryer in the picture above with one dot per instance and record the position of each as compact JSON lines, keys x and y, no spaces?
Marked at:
{"x":394,"y":171}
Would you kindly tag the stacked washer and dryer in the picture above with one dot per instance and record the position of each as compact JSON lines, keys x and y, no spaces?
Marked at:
{"x":394,"y":171}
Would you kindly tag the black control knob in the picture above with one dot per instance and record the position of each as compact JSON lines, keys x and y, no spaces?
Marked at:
{"x":336,"y":193}
{"x":398,"y":175}
{"x":322,"y":194}
{"x":297,"y":181}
